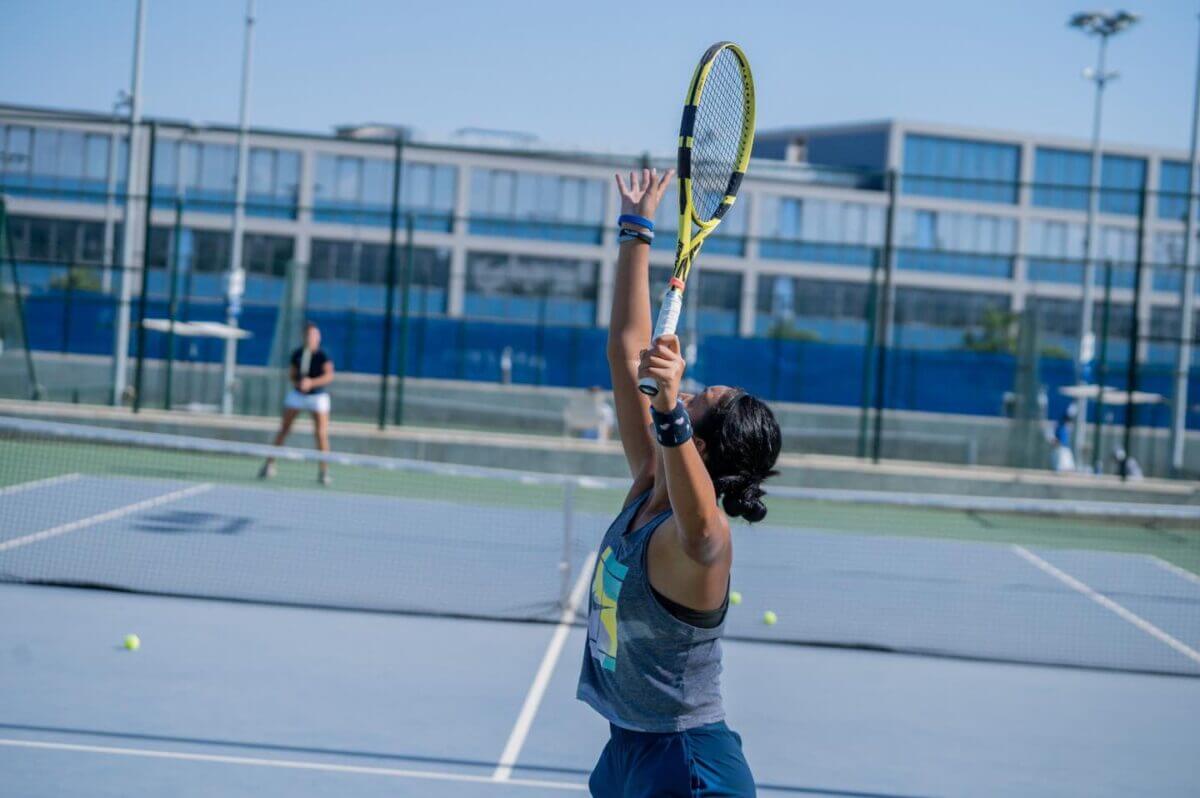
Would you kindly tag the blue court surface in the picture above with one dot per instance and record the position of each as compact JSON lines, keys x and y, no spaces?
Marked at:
{"x":242,"y":697}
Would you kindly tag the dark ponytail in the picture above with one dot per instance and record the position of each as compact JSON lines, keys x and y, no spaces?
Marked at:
{"x":741,"y":444}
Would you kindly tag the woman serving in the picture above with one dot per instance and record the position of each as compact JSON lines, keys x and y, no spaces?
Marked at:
{"x":660,"y":590}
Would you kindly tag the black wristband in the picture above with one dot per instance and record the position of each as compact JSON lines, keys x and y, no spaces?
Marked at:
{"x":674,"y":428}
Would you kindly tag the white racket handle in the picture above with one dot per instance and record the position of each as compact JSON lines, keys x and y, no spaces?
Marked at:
{"x":668,"y":320}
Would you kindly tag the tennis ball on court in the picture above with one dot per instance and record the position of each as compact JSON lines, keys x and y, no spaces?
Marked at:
{"x":769,"y":618}
{"x":735,"y":597}
{"x":133,"y":642}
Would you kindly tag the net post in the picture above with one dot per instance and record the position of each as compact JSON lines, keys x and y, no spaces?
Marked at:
{"x":564,"y":565}
{"x":140,"y":369}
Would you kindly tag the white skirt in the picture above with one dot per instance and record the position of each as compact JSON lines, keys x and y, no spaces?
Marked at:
{"x":312,"y":402}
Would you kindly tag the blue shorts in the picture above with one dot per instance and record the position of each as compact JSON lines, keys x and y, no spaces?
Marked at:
{"x":705,"y":761}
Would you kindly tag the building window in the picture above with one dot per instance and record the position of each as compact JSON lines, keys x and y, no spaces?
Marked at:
{"x":981,"y":171}
{"x":1056,"y":253}
{"x":1173,"y":190}
{"x":713,"y":300}
{"x":267,"y":254}
{"x":816,"y":310}
{"x":354,"y":274}
{"x":955,"y":243}
{"x":1062,"y":177}
{"x":56,"y":241}
{"x":821,"y":231}
{"x":64,"y":164}
{"x":929,"y":318}
{"x":354,"y":190}
{"x":536,"y":205}
{"x":728,"y":239}
{"x":531,"y":289}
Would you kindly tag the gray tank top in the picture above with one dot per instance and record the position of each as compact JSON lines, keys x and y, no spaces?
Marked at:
{"x":644,"y":669}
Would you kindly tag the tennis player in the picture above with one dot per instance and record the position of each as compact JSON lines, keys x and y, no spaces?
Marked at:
{"x":661,"y":585}
{"x":310,"y":374}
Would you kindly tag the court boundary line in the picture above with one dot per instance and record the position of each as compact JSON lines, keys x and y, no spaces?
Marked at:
{"x":20,"y":487}
{"x":286,"y":764}
{"x":108,"y":515}
{"x":1183,"y":573}
{"x":1107,"y":603}
{"x":541,"y":680}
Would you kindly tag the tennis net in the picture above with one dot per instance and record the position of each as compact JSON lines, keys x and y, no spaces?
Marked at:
{"x":1095,"y":585}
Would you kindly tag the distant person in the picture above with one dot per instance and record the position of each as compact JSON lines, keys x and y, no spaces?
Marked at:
{"x":310,"y":373}
{"x":1062,"y":458}
{"x":591,"y":415}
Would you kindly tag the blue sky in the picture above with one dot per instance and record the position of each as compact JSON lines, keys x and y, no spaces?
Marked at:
{"x":607,"y":75}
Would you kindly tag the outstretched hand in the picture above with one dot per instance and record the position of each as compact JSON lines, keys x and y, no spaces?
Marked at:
{"x":644,"y":191}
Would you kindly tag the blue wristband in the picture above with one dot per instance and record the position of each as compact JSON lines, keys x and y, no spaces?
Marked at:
{"x":674,"y":428}
{"x":630,"y":218}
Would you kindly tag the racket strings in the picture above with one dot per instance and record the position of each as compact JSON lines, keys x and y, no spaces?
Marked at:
{"x":717,"y":136}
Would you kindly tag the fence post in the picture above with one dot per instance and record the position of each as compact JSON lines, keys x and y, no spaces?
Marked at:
{"x":141,"y":330}
{"x":385,"y":366}
{"x":6,"y":254}
{"x":173,"y":297}
{"x":885,"y":314}
{"x":1131,"y":381}
{"x":402,"y":360}
{"x":1102,"y":373}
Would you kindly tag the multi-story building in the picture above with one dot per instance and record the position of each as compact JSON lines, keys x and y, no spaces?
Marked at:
{"x":506,"y":230}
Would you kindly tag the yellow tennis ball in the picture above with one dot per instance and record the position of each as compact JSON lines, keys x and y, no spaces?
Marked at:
{"x":735,"y":597}
{"x":133,"y":642}
{"x":769,"y":618}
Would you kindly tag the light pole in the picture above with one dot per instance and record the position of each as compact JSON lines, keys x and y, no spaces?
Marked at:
{"x":110,"y":193}
{"x":1103,"y":26}
{"x":235,"y":284}
{"x":1183,"y":356}
{"x":121,"y":335}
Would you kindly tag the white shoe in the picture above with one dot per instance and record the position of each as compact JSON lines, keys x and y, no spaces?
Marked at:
{"x":267,"y":471}
{"x":324,"y":478}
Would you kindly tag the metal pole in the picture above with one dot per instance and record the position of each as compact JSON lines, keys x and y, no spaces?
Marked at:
{"x":141,"y":328}
{"x":35,"y":390}
{"x":237,"y":275}
{"x":884,"y":327}
{"x":173,"y":301}
{"x":1131,"y":380}
{"x":121,"y":336}
{"x":1183,"y":357}
{"x":110,"y":204}
{"x":402,"y":360}
{"x":385,"y":366}
{"x":1086,"y":340}
{"x":871,"y":312}
{"x":1102,"y":373}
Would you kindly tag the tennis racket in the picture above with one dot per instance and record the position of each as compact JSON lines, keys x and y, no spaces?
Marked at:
{"x":715,"y":138}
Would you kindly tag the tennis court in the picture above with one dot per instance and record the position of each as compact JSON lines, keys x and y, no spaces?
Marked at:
{"x":414,"y":630}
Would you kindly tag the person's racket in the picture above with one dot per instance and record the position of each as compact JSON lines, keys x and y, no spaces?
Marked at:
{"x":305,"y":362}
{"x":715,"y":138}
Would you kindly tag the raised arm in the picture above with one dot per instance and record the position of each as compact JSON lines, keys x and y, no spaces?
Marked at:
{"x":629,"y":326}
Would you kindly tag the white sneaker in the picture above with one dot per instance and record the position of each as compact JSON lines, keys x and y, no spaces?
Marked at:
{"x":324,"y":478}
{"x":267,"y":471}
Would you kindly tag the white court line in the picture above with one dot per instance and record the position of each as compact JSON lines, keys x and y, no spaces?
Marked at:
{"x":537,"y":690}
{"x":100,"y":518}
{"x":287,"y":764}
{"x":37,"y":483}
{"x":1175,"y":569}
{"x":1108,"y":604}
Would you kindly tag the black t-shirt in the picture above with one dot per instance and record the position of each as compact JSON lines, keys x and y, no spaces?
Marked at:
{"x":316,"y":366}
